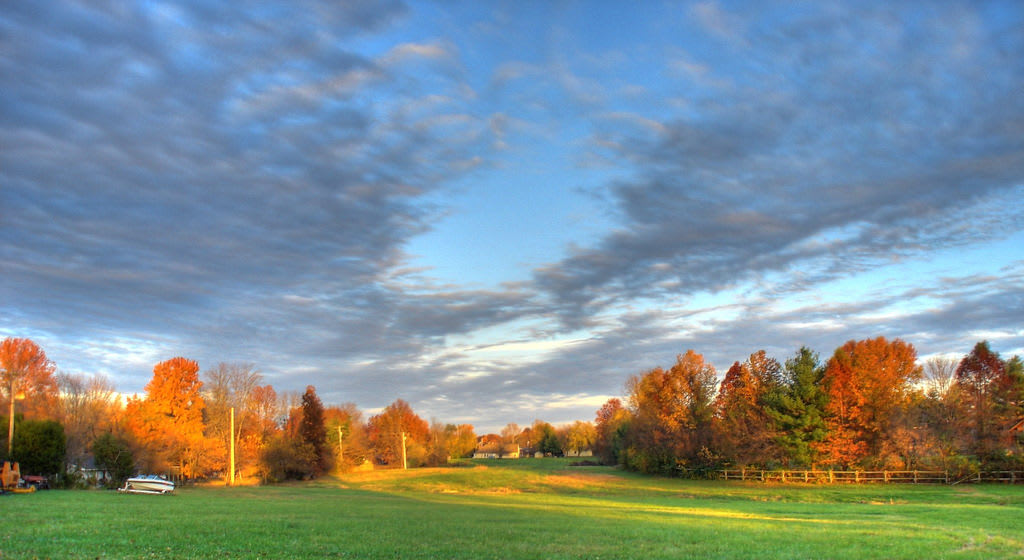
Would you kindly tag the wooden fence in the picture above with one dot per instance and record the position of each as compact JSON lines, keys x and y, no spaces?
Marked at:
{"x":862,"y":477}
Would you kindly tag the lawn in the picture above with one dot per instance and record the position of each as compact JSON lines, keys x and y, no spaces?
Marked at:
{"x":519,"y":509}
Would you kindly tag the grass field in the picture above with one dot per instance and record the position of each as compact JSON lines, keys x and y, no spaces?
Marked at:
{"x":534,"y":508}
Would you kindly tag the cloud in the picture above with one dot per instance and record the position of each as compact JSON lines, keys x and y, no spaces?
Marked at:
{"x":838,"y":159}
{"x":241,"y":182}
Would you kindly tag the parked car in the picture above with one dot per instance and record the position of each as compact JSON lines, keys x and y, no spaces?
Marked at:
{"x":39,"y":482}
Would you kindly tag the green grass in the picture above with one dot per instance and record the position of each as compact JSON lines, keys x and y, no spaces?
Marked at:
{"x":519,"y":509}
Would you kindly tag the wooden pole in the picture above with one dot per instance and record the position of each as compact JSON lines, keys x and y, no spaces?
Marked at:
{"x":341,"y":448}
{"x":10,"y":423}
{"x":231,"y":467}
{"x":405,"y":464}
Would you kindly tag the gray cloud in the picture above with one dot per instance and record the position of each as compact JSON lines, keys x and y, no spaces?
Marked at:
{"x":240,"y":182}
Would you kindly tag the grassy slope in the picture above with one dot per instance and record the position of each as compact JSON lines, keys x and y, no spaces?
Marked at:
{"x":524,"y":509}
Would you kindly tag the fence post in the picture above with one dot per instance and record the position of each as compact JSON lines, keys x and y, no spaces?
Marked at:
{"x":915,"y":477}
{"x":830,"y":476}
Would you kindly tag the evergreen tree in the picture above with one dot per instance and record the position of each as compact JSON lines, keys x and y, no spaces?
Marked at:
{"x":313,"y":430}
{"x":797,"y":407}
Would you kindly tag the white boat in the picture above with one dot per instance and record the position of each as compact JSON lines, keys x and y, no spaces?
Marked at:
{"x":148,"y":484}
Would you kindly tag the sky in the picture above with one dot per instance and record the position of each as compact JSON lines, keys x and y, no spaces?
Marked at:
{"x":499,"y":211}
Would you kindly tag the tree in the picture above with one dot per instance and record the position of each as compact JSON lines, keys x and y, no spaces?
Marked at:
{"x":672,"y":414}
{"x":797,"y":408}
{"x":348,"y":421}
{"x":611,"y":425}
{"x":579,"y":437}
{"x":461,"y":440}
{"x":385,"y":430}
{"x":87,"y":409}
{"x":313,"y":431}
{"x":232,"y":386}
{"x":39,"y":446}
{"x":982,"y":382}
{"x":545,"y":438}
{"x":114,"y":455}
{"x":509,"y":434}
{"x":868,"y":382}
{"x":284,"y":458}
{"x":940,"y":372}
{"x":169,"y":420}
{"x":1011,"y":406}
{"x":26,"y":373}
{"x":744,"y":431}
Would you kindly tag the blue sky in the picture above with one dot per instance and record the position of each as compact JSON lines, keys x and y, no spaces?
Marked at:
{"x":499,"y":211}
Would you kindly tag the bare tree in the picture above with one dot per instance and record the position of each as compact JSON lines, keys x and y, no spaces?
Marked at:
{"x":87,"y":404}
{"x":939,"y":372}
{"x":227,"y":386}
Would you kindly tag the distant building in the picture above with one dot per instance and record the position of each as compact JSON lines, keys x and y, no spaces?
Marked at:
{"x":580,"y":453}
{"x":491,"y":447}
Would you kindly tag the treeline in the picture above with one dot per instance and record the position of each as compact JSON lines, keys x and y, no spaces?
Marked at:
{"x":870,"y":405}
{"x":182,"y":426}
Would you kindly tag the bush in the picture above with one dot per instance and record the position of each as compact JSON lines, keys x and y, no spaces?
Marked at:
{"x":39,"y":446}
{"x":287,"y":459}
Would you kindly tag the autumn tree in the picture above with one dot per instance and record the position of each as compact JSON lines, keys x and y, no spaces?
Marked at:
{"x":449,"y":441}
{"x":1011,"y":406}
{"x":384,"y":432}
{"x":797,"y":408}
{"x":346,"y":422}
{"x":611,"y":425}
{"x":263,"y":404}
{"x":867,"y":382}
{"x":983,"y":386}
{"x":461,"y":440}
{"x":743,"y":429}
{"x":509,"y":434}
{"x":169,"y":420}
{"x":545,"y":438}
{"x":579,"y":437}
{"x":672,"y":414}
{"x":230,"y":386}
{"x":26,"y":374}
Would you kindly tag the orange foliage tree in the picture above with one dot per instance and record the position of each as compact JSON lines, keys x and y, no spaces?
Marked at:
{"x":25,"y":371}
{"x":868,"y":383}
{"x":981,"y":385}
{"x":169,"y":420}
{"x":384,"y":432}
{"x":346,"y":422}
{"x":231,"y":386}
{"x":611,"y":424}
{"x":27,"y":374}
{"x":672,"y":412}
{"x":744,"y":431}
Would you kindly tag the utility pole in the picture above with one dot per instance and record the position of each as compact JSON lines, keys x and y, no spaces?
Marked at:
{"x":405,"y":464}
{"x":231,"y":467}
{"x":10,"y":429}
{"x":341,"y":448}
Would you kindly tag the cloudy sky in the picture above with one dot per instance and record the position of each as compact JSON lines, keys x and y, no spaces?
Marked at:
{"x":498,"y":211}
